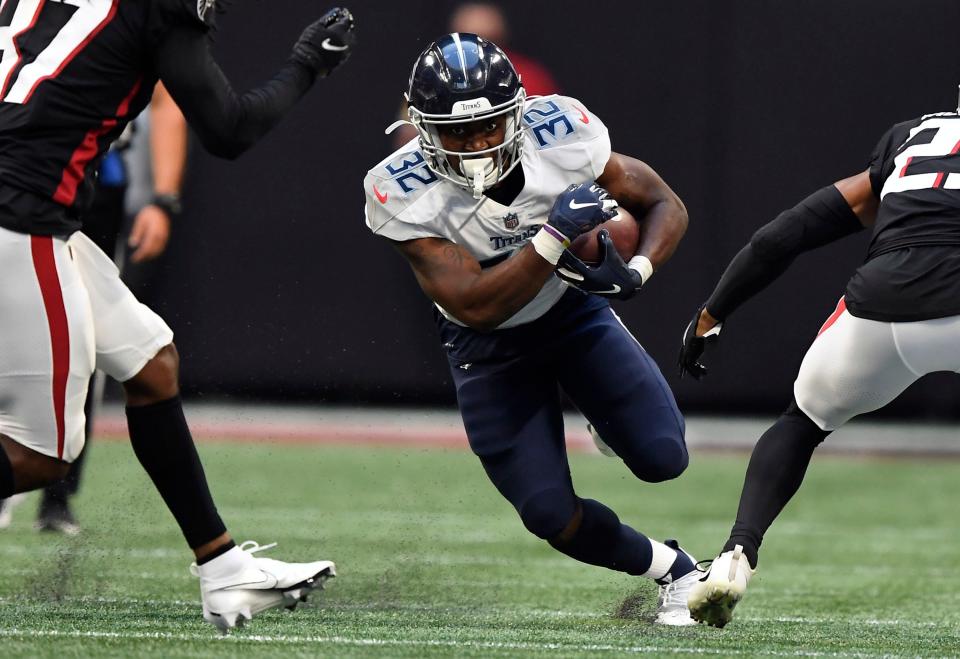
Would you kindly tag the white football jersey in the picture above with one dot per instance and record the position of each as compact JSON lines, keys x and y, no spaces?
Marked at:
{"x":563,"y":144}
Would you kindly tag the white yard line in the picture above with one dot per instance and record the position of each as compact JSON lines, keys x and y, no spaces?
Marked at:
{"x":381,"y":642}
{"x":517,"y":611}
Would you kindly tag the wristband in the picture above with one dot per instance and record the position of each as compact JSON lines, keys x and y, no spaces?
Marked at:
{"x":550,"y":244}
{"x":168,"y":203}
{"x":643,"y":266}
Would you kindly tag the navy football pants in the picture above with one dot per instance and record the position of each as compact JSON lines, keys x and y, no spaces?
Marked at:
{"x":508,"y":390}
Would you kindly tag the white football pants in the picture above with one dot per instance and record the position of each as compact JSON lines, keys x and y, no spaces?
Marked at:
{"x":64,"y":311}
{"x":857,"y":365}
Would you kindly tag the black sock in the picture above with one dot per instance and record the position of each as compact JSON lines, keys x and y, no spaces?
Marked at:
{"x":219,"y":551}
{"x":56,"y":495}
{"x":602,"y":540}
{"x":163,"y":445}
{"x":776,"y":470}
{"x":6,"y":475}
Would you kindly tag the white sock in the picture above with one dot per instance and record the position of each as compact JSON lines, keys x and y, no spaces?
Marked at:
{"x":663,"y":559}
{"x":225,"y":564}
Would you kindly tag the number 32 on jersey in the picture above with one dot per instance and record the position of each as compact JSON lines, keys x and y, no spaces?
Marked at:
{"x":71,"y":25}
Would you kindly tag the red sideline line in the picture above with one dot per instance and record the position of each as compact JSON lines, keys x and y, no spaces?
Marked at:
{"x":345,"y":434}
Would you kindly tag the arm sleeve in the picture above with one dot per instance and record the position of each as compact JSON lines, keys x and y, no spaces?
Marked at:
{"x":821,"y":218}
{"x":227,"y":124}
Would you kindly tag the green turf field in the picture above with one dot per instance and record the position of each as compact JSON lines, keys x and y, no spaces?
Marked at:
{"x":433,"y":563}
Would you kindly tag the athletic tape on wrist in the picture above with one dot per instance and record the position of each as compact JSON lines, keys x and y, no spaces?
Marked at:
{"x":643,"y":266}
{"x":550,"y":243}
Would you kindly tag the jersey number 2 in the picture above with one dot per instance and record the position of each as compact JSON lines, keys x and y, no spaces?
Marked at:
{"x":22,"y":16}
{"x":937,"y":157}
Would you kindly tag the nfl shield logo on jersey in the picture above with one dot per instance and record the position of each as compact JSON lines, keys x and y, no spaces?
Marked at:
{"x":511,"y":221}
{"x":203,"y":6}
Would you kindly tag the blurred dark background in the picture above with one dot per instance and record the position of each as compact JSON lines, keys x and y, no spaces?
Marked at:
{"x":276,"y":289}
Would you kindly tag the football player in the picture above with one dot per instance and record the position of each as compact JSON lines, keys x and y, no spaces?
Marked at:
{"x":72,"y":74}
{"x":482,"y":205}
{"x":898,"y":320}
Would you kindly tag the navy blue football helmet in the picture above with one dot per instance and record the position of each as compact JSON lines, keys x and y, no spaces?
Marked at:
{"x":461,"y":78}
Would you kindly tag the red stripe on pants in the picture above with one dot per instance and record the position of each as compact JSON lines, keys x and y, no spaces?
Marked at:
{"x":841,"y":307}
{"x":45,"y":266}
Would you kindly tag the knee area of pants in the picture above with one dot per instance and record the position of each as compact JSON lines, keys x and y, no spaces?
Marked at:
{"x":826,"y":412}
{"x":546,"y":514}
{"x":664,"y":464}
{"x":820,"y":407}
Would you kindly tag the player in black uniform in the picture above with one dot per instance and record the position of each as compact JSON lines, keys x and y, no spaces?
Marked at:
{"x":898,"y":320}
{"x":71,"y":76}
{"x":149,"y":231}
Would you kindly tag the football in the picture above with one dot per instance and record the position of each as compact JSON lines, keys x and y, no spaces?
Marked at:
{"x":624,"y":231}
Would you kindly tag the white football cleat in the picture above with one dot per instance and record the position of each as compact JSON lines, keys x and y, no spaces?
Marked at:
{"x":599,"y":443}
{"x":714,"y":596}
{"x":672,"y":601}
{"x":672,"y":598}
{"x":6,"y":508}
{"x":236,"y":586}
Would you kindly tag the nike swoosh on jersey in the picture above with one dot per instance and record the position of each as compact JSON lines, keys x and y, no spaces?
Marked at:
{"x":381,"y":197}
{"x":329,"y":45}
{"x":615,"y":289}
{"x":575,"y":206}
{"x":583,"y":115}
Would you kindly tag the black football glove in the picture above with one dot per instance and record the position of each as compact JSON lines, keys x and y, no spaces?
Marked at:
{"x":579,"y":208}
{"x":694,"y":346}
{"x":326,"y":43}
{"x":611,"y":277}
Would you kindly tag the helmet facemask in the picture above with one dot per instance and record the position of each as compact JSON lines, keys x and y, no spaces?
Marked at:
{"x":474,"y":170}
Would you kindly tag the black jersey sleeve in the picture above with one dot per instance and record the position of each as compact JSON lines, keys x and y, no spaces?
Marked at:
{"x":821,"y":218}
{"x":226,"y":123}
{"x":881,"y":161}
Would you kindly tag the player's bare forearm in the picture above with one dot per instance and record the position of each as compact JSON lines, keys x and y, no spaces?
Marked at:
{"x":661,"y":230}
{"x":662,"y":216}
{"x":168,"y":143}
{"x":481,"y":298}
